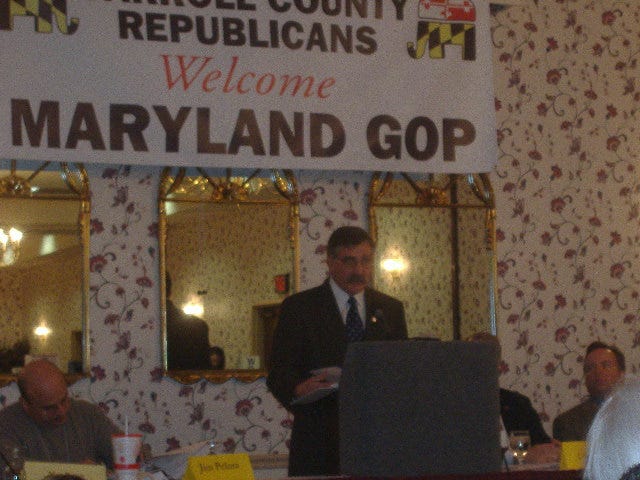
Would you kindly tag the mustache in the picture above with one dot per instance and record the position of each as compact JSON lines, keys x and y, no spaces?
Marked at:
{"x":355,"y":278}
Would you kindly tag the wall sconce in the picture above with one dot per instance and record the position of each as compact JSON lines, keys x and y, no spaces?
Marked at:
{"x":42,"y":331}
{"x":193,"y":307}
{"x":48,"y":244}
{"x":393,"y":266}
{"x":9,"y":246}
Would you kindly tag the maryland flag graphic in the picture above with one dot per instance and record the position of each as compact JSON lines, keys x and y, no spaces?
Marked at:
{"x":449,"y":10}
{"x":45,"y":13}
{"x":444,"y":22}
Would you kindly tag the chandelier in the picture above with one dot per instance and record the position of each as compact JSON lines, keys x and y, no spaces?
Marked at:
{"x":9,"y":246}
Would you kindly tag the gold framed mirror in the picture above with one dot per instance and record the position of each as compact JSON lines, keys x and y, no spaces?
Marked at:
{"x":44,"y":269}
{"x":228,"y":257}
{"x":435,"y":250}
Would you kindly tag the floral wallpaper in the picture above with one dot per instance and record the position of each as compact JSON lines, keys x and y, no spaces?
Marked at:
{"x":567,"y":188}
{"x":421,"y":237}
{"x":36,"y":294}
{"x":328,"y":200}
{"x":477,"y":261}
{"x":230,"y":254}
{"x":567,"y":192}
{"x":12,"y":302}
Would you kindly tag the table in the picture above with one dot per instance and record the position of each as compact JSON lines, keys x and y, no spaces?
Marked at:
{"x":519,"y":475}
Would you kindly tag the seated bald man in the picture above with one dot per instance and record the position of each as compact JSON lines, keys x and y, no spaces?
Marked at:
{"x":50,"y":426}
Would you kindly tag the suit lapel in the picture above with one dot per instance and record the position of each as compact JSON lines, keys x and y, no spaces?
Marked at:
{"x":334,"y":323}
{"x":374,"y":325}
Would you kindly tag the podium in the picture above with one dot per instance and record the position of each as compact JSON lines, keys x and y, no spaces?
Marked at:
{"x":419,"y":407}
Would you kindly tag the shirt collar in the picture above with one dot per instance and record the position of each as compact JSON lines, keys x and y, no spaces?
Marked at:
{"x":342,"y":297}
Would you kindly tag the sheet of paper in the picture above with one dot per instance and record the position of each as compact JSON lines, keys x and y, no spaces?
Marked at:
{"x":333,"y":376}
{"x":34,"y":470}
{"x":174,"y":462}
{"x":333,"y":373}
{"x":315,"y":395}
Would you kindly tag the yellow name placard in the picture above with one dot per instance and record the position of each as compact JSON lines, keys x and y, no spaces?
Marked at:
{"x":41,"y":470}
{"x":233,"y":466}
{"x":572,"y":455}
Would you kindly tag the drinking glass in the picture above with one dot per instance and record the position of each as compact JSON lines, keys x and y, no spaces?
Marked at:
{"x":215,"y":447}
{"x":519,"y":441}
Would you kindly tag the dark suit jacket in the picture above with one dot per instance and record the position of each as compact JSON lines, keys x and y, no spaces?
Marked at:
{"x":187,"y":341}
{"x":574,"y":424}
{"x":518,"y":414}
{"x":311,"y":334}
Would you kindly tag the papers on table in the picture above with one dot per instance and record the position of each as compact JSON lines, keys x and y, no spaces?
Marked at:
{"x":174,"y":462}
{"x":333,"y":375}
{"x":41,"y":470}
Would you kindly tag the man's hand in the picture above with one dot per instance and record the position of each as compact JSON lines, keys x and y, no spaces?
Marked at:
{"x":544,"y":453}
{"x":312,"y":384}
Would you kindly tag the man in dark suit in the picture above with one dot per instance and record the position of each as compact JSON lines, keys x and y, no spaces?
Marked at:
{"x":604,"y":367}
{"x":517,"y":413}
{"x":314,"y":329}
{"x":187,"y":338}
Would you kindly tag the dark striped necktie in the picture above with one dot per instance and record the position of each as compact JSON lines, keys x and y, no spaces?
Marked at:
{"x":355,"y":329}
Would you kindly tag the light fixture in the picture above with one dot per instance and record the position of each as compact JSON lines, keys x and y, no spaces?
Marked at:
{"x":193,"y":308}
{"x":9,"y":246}
{"x":48,"y":244}
{"x":393,"y":265}
{"x":42,"y":330}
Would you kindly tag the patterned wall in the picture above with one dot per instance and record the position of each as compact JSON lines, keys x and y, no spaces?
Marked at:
{"x":13,"y":301}
{"x":231,"y":252}
{"x":39,"y":293}
{"x":568,"y":244}
{"x":422,"y":237}
{"x":567,"y":189}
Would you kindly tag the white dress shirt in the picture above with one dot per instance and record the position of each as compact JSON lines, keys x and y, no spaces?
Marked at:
{"x":342,"y":299}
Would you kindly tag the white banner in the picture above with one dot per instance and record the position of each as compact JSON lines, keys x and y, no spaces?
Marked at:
{"x":391,"y":85}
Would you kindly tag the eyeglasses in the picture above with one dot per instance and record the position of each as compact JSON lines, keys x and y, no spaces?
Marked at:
{"x":353,"y":262}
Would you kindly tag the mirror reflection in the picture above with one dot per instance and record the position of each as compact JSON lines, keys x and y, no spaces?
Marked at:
{"x":228,"y":256}
{"x":44,"y":215}
{"x":436,"y":250}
